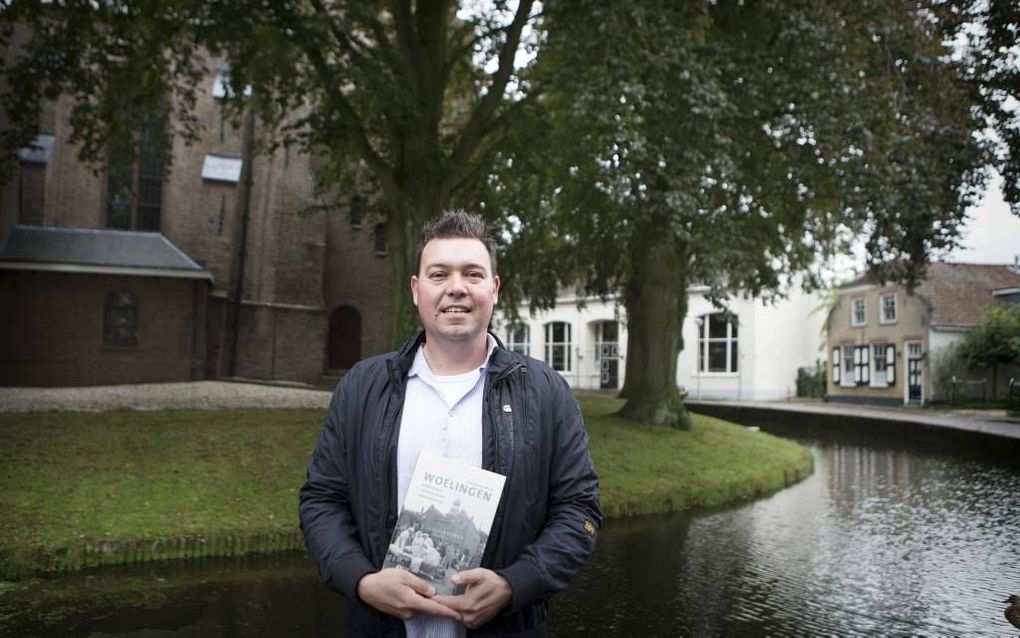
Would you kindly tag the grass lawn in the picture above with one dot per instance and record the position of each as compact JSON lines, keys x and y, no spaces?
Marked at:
{"x":647,"y":469}
{"x":84,"y":489}
{"x":116,"y":487}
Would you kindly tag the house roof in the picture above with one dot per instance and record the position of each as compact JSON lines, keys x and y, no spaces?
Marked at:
{"x":93,"y":250}
{"x":864,"y":280}
{"x":961,"y":294}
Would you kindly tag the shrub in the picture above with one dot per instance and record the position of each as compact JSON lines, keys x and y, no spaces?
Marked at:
{"x":811,"y":381}
{"x":948,"y":365}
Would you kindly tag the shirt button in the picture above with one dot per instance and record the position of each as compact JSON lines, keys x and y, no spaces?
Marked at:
{"x":451,"y":413}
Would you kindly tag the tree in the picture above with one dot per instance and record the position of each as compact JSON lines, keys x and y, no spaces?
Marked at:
{"x":397,"y":85}
{"x":735,"y":144}
{"x":949,"y":367}
{"x":995,"y":342}
{"x":988,"y":34}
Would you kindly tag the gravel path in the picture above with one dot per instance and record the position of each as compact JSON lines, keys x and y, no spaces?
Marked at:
{"x":202,"y":395}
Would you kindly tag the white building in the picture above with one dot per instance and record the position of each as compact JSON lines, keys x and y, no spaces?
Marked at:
{"x":753,"y":355}
{"x":585,"y":345}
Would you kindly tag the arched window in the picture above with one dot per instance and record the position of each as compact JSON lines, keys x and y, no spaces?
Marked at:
{"x":518,"y":339}
{"x":120,"y":320}
{"x":717,"y":343}
{"x":557,"y":345}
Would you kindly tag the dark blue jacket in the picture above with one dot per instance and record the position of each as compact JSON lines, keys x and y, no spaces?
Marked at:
{"x":547,"y":520}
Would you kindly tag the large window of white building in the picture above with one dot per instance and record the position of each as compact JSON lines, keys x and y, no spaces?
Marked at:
{"x":717,"y":343}
{"x":557,"y":345}
{"x":518,"y":339}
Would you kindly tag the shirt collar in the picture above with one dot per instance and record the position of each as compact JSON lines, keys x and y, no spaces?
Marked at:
{"x":421,"y":367}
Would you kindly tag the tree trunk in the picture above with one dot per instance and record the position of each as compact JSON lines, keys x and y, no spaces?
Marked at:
{"x":656,"y":301}
{"x":401,"y":245}
{"x":426,"y":159}
{"x":422,"y":197}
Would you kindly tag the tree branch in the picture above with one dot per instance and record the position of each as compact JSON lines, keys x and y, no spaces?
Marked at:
{"x":469,"y":47}
{"x":483,"y":113}
{"x":403,"y":22}
{"x":382,"y":50}
{"x":306,"y":41}
{"x":344,"y":40}
{"x":354,"y":123}
{"x":493,"y":134}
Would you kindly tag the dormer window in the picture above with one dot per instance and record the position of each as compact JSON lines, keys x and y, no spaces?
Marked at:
{"x":858,"y":312}
{"x":889,"y":310}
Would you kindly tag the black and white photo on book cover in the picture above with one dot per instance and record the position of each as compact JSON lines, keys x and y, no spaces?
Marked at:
{"x":445,"y":521}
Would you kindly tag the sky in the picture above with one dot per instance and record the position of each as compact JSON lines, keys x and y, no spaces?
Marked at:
{"x":992,"y":235}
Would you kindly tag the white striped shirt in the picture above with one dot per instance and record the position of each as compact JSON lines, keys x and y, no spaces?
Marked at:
{"x":442,"y":414}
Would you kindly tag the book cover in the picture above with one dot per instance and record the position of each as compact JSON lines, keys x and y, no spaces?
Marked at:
{"x":445,"y":522}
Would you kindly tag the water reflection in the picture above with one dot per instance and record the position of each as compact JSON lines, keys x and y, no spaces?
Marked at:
{"x":880,"y":540}
{"x":877,"y":541}
{"x":258,"y":596}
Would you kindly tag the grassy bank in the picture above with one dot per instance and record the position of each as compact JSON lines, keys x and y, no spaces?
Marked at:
{"x":648,"y":469}
{"x":119,"y":487}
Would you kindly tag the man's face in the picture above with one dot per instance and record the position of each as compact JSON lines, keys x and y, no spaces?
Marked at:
{"x":454,"y":290}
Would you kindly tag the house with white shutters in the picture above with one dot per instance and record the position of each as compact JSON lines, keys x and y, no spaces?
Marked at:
{"x":882,"y":338}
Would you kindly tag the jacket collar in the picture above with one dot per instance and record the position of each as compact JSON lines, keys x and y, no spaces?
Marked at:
{"x":401,"y":364}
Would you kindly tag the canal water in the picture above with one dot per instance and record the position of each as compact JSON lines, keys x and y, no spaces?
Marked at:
{"x":884,"y":538}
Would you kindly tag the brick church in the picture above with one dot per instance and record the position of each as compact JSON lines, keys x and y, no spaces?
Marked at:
{"x":211,"y":262}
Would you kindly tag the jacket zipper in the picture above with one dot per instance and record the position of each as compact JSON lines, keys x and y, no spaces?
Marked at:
{"x":389,"y":454}
{"x":497,"y":460}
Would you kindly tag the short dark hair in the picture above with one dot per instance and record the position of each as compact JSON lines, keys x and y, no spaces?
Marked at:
{"x":456,"y":224}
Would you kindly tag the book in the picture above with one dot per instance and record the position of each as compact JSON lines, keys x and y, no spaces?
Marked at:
{"x":445,"y":521}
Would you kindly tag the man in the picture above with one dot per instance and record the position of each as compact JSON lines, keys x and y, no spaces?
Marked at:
{"x":452,"y":389}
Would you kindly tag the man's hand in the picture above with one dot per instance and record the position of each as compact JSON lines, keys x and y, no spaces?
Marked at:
{"x":402,"y":594}
{"x":487,"y":593}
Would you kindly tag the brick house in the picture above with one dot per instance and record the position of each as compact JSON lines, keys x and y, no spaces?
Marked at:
{"x":99,"y":306}
{"x":881,"y":339}
{"x":293,"y":290}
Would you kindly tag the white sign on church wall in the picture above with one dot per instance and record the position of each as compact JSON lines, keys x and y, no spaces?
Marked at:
{"x":39,"y":152}
{"x":222,"y":169}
